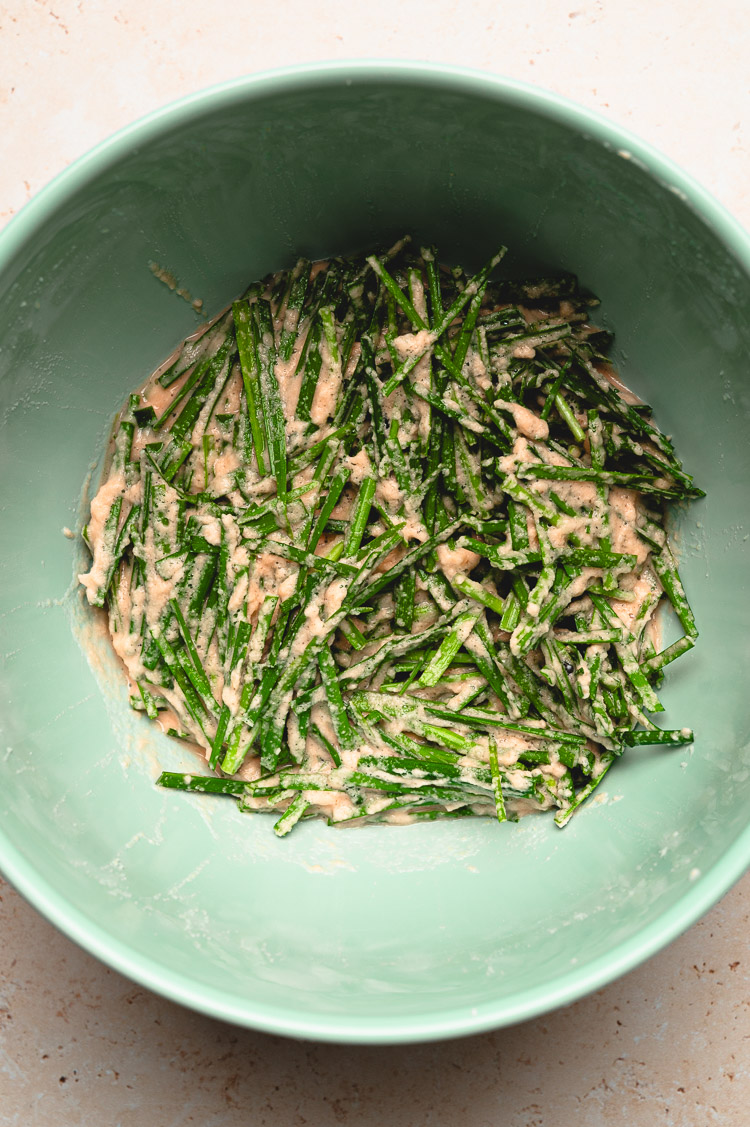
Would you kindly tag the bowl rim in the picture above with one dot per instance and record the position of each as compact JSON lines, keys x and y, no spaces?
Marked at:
{"x":699,"y":896}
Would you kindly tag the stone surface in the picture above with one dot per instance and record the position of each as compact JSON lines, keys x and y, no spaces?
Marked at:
{"x":667,"y":1044}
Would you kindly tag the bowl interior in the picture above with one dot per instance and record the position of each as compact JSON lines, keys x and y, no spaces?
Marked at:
{"x":382,"y":933}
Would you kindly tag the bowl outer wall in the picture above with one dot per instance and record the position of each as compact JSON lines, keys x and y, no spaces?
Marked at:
{"x":466,"y":929}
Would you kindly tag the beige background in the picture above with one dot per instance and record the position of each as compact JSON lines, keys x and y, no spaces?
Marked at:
{"x":668,"y":1044}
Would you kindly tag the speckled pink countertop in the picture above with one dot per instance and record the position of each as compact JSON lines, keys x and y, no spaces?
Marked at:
{"x":668,"y":1044}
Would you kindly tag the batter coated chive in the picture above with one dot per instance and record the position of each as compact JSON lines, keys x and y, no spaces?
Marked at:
{"x":386,"y":540}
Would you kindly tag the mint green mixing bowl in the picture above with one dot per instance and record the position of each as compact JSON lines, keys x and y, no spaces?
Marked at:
{"x":382,"y":934}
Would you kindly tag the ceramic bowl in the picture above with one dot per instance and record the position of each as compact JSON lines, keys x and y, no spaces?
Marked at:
{"x":383,"y":934}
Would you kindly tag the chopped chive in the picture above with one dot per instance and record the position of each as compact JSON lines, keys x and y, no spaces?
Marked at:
{"x":423,"y":578}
